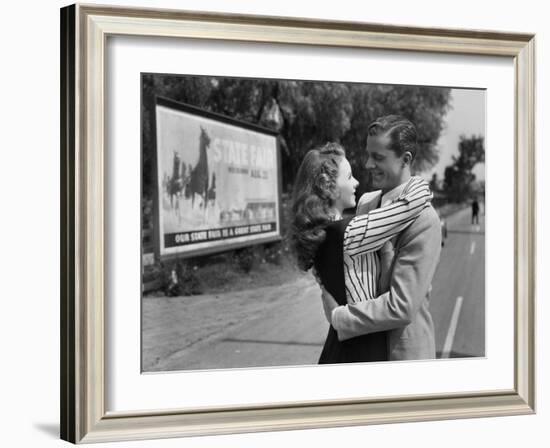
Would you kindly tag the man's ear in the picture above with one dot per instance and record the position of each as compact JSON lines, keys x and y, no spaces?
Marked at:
{"x":407,"y":158}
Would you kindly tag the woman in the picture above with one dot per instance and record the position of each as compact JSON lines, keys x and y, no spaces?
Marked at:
{"x":323,"y":189}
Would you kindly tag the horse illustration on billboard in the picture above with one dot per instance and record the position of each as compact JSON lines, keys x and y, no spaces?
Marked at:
{"x":188,"y":181}
{"x":175,"y":184}
{"x":198,"y":179}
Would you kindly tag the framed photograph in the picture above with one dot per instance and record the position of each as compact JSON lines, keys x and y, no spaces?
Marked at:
{"x":188,"y":305}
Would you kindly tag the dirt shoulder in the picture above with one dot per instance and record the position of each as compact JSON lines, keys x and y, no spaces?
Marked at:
{"x":173,"y":324}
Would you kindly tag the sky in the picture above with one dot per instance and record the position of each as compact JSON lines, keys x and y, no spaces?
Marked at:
{"x":466,"y":117}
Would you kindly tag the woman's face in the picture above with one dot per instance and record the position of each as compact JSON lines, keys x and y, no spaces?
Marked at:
{"x":345,"y":186}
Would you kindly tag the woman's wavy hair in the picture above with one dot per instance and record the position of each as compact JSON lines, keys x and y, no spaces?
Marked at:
{"x":313,"y":198}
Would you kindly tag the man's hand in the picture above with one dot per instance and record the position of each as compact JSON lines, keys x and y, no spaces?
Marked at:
{"x":328,"y":301}
{"x":328,"y":304}
{"x":316,"y":276}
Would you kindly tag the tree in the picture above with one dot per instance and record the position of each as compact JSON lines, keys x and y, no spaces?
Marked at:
{"x":434,"y":182}
{"x":195,"y":90}
{"x":459,"y":178}
{"x":424,"y":106}
{"x":314,"y":113}
{"x":311,"y":113}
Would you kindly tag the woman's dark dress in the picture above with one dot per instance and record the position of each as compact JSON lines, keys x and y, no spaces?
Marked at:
{"x":329,"y":264}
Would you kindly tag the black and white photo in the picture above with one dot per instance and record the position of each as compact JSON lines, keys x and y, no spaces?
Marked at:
{"x":292,"y":222}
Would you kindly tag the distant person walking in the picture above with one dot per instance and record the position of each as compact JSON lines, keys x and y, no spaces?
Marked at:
{"x":475,"y":212}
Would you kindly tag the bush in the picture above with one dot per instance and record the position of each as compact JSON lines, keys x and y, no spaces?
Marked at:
{"x":245,"y":258}
{"x":274,"y":252}
{"x":182,"y":280}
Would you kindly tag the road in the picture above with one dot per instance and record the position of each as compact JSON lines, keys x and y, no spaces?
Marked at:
{"x":279,"y":325}
{"x":458,"y":294}
{"x":284,"y":325}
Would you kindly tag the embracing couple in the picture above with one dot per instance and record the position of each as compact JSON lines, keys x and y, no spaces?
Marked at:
{"x":375,"y":269}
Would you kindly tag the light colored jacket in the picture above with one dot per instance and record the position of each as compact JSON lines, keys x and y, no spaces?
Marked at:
{"x":404,"y":309}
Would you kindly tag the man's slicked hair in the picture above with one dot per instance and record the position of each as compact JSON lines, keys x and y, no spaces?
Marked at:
{"x":401,"y":132}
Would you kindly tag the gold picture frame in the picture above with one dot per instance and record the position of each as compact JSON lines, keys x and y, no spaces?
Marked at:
{"x":84,"y":31}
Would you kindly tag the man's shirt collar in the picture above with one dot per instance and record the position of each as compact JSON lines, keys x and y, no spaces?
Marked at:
{"x":392,"y":195}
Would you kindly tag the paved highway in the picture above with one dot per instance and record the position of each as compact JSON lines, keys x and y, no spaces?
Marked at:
{"x":458,"y":294}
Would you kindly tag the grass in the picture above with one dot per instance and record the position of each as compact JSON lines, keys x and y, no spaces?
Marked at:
{"x":253,"y":267}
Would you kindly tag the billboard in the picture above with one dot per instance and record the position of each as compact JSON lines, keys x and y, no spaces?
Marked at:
{"x":218,"y":181}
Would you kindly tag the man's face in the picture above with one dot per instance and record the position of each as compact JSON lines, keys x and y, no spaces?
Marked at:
{"x":387,"y":169}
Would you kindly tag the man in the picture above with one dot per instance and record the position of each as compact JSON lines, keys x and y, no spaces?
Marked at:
{"x":475,"y":211}
{"x":402,"y":307}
